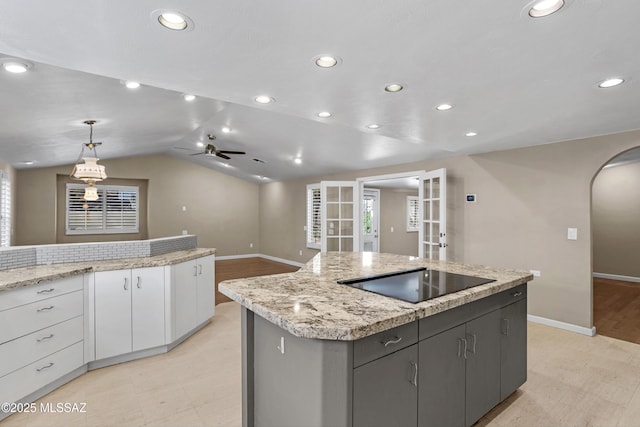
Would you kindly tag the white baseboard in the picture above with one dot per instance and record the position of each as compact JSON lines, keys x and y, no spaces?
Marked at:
{"x":269,"y":257}
{"x":617,"y":277}
{"x":562,"y":325}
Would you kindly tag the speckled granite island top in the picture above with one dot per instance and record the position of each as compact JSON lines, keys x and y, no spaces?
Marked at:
{"x":310,"y":304}
{"x":27,"y":276}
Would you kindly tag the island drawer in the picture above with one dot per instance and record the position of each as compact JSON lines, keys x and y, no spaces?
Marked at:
{"x":375,"y":346}
{"x":28,"y":294}
{"x":432,"y":325}
{"x":28,"y":318}
{"x":24,"y":350}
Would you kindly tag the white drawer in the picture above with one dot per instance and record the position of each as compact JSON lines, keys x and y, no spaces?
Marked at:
{"x":22,"y":351}
{"x":28,"y":318}
{"x":25,"y":381}
{"x":28,"y":294}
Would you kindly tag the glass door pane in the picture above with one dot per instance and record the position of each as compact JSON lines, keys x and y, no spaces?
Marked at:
{"x":339,"y":210}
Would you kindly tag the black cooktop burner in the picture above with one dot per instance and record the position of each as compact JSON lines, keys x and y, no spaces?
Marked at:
{"x":417,"y":284}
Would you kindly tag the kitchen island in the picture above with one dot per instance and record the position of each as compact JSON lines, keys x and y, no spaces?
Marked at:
{"x":318,"y":353}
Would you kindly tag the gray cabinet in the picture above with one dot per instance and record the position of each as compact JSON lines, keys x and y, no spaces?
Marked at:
{"x":513,"y":348}
{"x":442,"y":379}
{"x":385,"y":392}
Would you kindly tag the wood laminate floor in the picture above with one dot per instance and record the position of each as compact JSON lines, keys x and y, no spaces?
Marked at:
{"x":573,"y":380}
{"x":616,"y":309}
{"x":247,"y":267}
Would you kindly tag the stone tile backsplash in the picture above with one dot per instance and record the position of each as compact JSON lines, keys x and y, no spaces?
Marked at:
{"x":77,"y":252}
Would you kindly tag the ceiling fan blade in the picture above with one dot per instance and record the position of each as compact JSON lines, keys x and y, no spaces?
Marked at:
{"x":231,"y":152}
{"x":196,"y":154}
{"x":181,"y":148}
{"x":222,"y":156}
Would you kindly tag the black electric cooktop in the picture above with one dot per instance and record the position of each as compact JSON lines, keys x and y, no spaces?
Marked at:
{"x":416,"y":285}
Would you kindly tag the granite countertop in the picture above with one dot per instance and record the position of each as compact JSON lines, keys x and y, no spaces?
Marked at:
{"x":27,"y":276}
{"x":310,"y":304}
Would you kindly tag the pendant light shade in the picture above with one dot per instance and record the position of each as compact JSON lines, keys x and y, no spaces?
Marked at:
{"x":89,"y":171}
{"x":90,"y":192}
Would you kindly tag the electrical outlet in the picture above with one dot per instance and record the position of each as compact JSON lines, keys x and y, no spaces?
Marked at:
{"x":536,"y":273}
{"x":300,"y":252}
{"x":250,"y":245}
{"x":572,"y":234}
{"x":184,"y":232}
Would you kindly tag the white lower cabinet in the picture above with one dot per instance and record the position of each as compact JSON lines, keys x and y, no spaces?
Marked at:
{"x":193,"y":294}
{"x":129,"y":310}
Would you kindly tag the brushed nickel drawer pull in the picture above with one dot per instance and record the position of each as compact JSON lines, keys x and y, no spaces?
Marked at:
{"x":139,"y":283}
{"x":394,"y":340}
{"x":45,"y":291}
{"x":125,"y":284}
{"x":516,"y":294}
{"x":45,"y":338}
{"x":44,"y":308}
{"x":199,"y":269}
{"x":414,"y":379}
{"x":45,"y":367}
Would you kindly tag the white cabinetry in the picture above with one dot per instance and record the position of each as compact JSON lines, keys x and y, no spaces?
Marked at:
{"x":42,"y":335}
{"x":192,"y":293}
{"x":129,"y":310}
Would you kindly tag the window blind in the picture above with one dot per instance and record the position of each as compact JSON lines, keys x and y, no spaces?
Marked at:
{"x":413,"y":213}
{"x":115,"y":211}
{"x":313,"y":216}
{"x":5,"y":209}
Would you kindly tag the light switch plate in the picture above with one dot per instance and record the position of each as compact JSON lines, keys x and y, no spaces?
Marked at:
{"x":572,"y":233}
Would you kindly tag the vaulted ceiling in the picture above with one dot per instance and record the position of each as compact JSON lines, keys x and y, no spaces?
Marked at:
{"x":512,"y":79}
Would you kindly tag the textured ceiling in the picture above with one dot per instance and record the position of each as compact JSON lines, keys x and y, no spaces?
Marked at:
{"x":515,"y":80}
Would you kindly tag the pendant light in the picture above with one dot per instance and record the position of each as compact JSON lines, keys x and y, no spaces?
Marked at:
{"x":89,"y":171}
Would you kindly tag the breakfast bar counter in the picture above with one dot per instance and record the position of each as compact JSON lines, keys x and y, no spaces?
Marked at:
{"x":319,"y":353}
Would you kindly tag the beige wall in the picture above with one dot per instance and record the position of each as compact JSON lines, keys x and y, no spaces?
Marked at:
{"x":616,"y":221}
{"x":393,"y":213}
{"x":527,"y":198}
{"x":221,"y":210}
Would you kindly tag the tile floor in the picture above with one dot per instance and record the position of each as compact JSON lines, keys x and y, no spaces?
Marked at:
{"x":573,"y":380}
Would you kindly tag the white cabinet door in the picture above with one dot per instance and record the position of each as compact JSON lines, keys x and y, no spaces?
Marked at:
{"x":147,"y":307}
{"x":112,"y":313}
{"x":206,"y":302}
{"x":184,"y":279}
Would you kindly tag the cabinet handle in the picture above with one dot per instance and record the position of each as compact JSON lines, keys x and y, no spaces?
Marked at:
{"x":473,"y":347}
{"x":45,"y":338}
{"x":45,"y":291}
{"x":139,"y":283}
{"x":516,"y":294}
{"x":44,"y":308}
{"x":195,"y":270}
{"x":414,"y":378}
{"x":464,"y":349}
{"x":45,"y":367}
{"x":200,"y":269}
{"x":125,"y":284}
{"x":394,"y":340}
{"x":506,"y":326}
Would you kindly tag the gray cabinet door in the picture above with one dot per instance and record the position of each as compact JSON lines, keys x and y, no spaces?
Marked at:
{"x":441,"y":382}
{"x":483,"y":365}
{"x":514,"y":348}
{"x":385,"y":392}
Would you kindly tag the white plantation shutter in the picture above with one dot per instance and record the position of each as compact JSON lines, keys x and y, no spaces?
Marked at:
{"x":5,"y":209}
{"x":115,"y":211}
{"x":413,"y":213}
{"x":314,"y":223}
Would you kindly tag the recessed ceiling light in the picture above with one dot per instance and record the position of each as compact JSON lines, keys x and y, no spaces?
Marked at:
{"x":470,"y":134}
{"x":373,"y":126}
{"x":263,"y":177}
{"x":297,"y":161}
{"x":15,"y":67}
{"x":545,"y":8}
{"x":28,"y":162}
{"x":226,"y":165}
{"x":172,"y":21}
{"x":226,"y":129}
{"x":264,"y":99}
{"x":189,"y":97}
{"x":326,"y":61}
{"x":444,"y":107}
{"x":324,"y":114}
{"x":131,"y":84}
{"x":200,"y":144}
{"x":615,"y":81}
{"x":393,"y":87}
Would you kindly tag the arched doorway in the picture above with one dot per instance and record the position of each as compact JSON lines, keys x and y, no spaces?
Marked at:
{"x":615,"y":227}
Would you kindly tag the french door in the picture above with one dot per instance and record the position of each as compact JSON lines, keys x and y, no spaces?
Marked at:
{"x":433,"y":232}
{"x":340,"y":219}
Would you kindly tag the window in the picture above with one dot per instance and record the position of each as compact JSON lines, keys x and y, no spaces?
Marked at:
{"x":115,"y":211}
{"x":5,"y":209}
{"x":313,"y":216}
{"x":413,"y":213}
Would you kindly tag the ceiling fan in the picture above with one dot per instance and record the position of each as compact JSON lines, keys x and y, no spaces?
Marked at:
{"x":211,"y":150}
